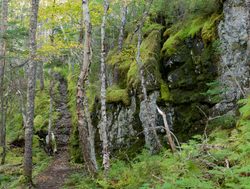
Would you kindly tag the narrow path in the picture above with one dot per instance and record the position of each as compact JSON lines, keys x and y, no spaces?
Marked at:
{"x":59,"y":169}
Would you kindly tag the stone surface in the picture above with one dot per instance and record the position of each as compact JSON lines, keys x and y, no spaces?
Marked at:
{"x":121,"y":124}
{"x":234,"y":65}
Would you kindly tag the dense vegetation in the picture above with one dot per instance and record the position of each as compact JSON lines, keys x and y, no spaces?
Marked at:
{"x":179,"y":59}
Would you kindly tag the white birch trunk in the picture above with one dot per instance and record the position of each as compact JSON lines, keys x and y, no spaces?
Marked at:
{"x":104,"y":135}
{"x":81,"y":92}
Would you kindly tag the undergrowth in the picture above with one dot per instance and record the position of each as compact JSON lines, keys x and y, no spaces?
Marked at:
{"x":220,"y":161}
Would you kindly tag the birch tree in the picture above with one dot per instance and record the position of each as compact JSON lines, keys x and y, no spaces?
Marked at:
{"x":124,"y":9}
{"x":81,"y":93}
{"x":151,"y":137}
{"x":104,"y":135}
{"x":4,"y":24}
{"x":31,"y":92}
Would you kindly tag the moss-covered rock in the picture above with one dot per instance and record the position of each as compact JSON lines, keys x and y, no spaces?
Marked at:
{"x":165,"y":93}
{"x":206,"y":25}
{"x":117,"y":95}
{"x":126,"y":62}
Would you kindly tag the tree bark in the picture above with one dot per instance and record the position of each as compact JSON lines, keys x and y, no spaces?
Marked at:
{"x":91,"y":132}
{"x":22,"y":102}
{"x":41,"y":75}
{"x":121,"y":38}
{"x":103,"y":129}
{"x":52,"y":83}
{"x":31,"y":93}
{"x":4,"y":26}
{"x":122,"y":28}
{"x":81,"y":92}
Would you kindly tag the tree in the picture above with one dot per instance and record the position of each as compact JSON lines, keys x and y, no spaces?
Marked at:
{"x":2,"y":67}
{"x":81,"y":93}
{"x":31,"y":92}
{"x":124,"y":10}
{"x":104,"y":134}
{"x":151,"y":139}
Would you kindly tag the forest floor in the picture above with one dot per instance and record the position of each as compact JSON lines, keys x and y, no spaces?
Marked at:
{"x":59,"y":169}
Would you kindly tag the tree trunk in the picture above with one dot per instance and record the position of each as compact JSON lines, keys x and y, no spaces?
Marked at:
{"x":31,"y":93}
{"x":151,"y":137}
{"x":122,"y":28}
{"x":91,"y":132}
{"x":103,"y":129}
{"x":41,"y":75}
{"x":2,"y":67}
{"x":167,"y":129}
{"x":22,"y":103}
{"x":50,"y":114}
{"x":121,"y":38}
{"x":81,"y":92}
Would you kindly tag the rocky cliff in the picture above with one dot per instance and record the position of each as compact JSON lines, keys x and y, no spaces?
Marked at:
{"x":194,"y":68}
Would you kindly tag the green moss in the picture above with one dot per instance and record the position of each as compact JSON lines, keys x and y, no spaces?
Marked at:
{"x":209,"y":30}
{"x":40,"y":122}
{"x":150,"y":49}
{"x":165,"y":93}
{"x":74,"y":148}
{"x":133,"y":78}
{"x":151,"y":45}
{"x":123,"y":58}
{"x":189,"y":28}
{"x":180,"y":32}
{"x":93,"y":92}
{"x":117,"y":95}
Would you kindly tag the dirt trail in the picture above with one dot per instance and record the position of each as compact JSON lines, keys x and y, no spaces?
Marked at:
{"x":59,"y":169}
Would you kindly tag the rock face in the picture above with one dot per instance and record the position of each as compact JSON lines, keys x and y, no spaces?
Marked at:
{"x":187,"y":74}
{"x":122,"y":124}
{"x":125,"y":124}
{"x":146,"y":121}
{"x":191,"y":77}
{"x":234,"y":65}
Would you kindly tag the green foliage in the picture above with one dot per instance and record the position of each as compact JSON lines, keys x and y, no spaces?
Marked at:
{"x":42,"y":103}
{"x":214,"y":91}
{"x":200,"y":164}
{"x":13,"y":177}
{"x":79,"y":181}
{"x":185,"y":9}
{"x":245,"y":109}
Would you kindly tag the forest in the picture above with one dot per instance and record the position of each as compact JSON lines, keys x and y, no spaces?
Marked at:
{"x":125,"y":94}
